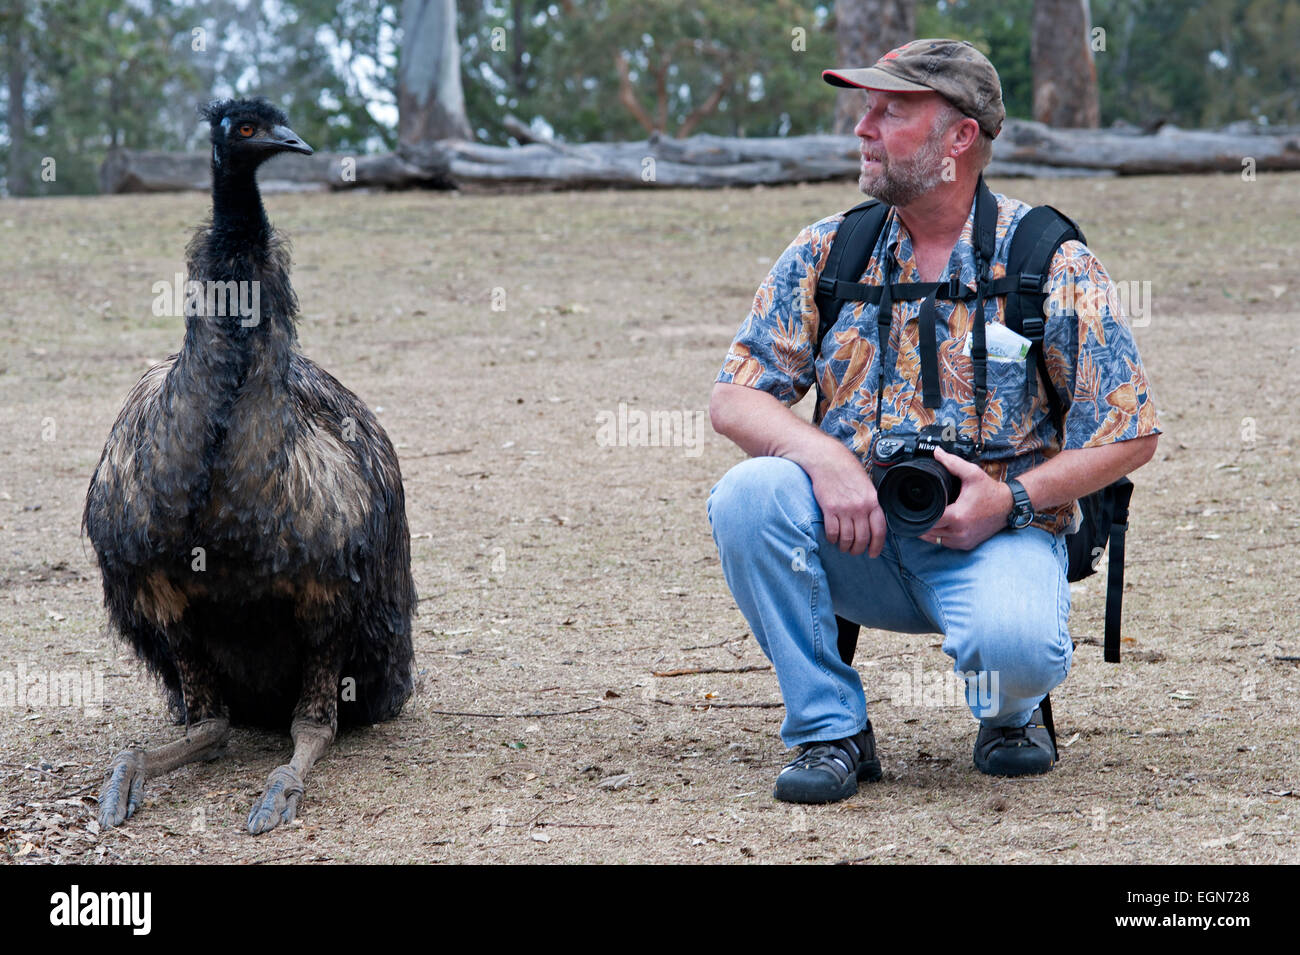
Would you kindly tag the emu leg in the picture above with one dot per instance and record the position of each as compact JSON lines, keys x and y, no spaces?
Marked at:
{"x":129,"y":769}
{"x":315,"y":721}
{"x":206,"y":731}
{"x":285,"y":784}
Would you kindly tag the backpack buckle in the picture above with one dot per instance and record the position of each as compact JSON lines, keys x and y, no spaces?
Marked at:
{"x":954,"y":288}
{"x":1033,"y":327}
{"x":826,"y":286}
{"x":1031,"y":283}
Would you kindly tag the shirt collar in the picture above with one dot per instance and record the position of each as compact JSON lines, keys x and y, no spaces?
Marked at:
{"x":899,"y":245}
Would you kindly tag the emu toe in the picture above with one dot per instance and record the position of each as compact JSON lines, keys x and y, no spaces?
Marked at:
{"x":279,"y":803}
{"x":124,"y":789}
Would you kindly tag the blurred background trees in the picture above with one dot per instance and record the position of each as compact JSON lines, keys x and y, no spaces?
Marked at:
{"x":83,"y":76}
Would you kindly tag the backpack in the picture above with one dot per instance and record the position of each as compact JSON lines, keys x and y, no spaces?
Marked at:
{"x":1037,"y":236}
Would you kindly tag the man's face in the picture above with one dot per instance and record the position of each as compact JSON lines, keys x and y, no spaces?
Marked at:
{"x":902,"y":151}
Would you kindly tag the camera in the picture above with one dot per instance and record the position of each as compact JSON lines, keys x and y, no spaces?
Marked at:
{"x":912,"y":487}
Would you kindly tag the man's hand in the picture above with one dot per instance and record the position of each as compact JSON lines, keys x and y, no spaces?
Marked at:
{"x":761,"y":425}
{"x":851,"y":514}
{"x":980,"y":511}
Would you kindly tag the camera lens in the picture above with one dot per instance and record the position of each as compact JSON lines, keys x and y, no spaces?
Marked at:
{"x":913,"y":495}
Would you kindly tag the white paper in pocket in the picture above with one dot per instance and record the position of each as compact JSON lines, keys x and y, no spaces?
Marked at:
{"x":1001,"y":342}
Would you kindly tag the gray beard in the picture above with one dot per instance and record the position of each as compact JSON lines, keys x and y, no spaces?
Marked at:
{"x":904,"y":181}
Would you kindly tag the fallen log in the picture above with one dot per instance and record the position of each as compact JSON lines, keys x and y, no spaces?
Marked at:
{"x":1169,"y":149}
{"x":704,"y":161}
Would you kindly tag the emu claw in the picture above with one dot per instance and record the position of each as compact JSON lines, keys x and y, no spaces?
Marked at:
{"x":123,"y":790}
{"x":279,"y":803}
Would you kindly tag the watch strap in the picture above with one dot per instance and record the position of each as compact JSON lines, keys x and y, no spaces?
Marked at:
{"x":1022,"y":511}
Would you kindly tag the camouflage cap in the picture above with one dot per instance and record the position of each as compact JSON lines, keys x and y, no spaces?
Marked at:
{"x":953,"y":68}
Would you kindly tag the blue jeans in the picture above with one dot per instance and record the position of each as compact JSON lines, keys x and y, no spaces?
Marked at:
{"x":1003,"y":607}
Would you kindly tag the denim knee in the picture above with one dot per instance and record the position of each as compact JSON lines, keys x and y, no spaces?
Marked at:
{"x":1029,"y":658}
{"x":757,"y":493}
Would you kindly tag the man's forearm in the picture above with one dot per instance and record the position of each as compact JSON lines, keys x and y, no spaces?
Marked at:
{"x":1076,"y":473}
{"x":761,"y":425}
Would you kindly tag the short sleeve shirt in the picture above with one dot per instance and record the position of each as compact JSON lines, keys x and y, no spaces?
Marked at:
{"x":1091,"y":356}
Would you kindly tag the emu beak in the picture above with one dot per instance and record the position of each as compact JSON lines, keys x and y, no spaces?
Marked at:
{"x":282,"y":137}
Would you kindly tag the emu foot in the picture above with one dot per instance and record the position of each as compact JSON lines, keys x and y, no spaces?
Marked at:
{"x":124,"y":789}
{"x":279,"y":803}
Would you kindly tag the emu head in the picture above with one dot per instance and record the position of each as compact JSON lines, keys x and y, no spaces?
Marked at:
{"x":247,"y":132}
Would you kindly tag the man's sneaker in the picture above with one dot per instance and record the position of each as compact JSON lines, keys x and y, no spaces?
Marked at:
{"x":1020,"y":751}
{"x":828,"y":772}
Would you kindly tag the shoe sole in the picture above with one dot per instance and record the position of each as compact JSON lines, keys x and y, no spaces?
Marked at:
{"x":868,"y":772}
{"x":1023,"y":769}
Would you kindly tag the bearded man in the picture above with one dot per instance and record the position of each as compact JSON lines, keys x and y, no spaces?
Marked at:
{"x":800,"y":532}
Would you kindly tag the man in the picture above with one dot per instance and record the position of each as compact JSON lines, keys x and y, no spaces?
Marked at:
{"x":799,"y":530}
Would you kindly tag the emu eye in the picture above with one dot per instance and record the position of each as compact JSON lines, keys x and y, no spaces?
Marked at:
{"x":246,"y":129}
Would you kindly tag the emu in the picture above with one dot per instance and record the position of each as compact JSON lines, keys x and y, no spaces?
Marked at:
{"x":247,"y":512}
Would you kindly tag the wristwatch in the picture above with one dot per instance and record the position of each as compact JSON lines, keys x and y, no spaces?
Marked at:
{"x":1022,"y":512}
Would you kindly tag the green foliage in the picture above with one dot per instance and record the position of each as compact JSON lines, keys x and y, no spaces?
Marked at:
{"x":98,"y":69}
{"x":104,"y":73}
{"x":1000,"y":31}
{"x":1199,"y":63}
{"x":561,"y":67}
{"x":1202,"y":63}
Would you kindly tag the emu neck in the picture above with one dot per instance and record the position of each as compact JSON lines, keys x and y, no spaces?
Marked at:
{"x":237,"y":210}
{"x":227,"y":355}
{"x":240,"y":247}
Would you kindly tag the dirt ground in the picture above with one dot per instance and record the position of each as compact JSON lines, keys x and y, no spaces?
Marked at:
{"x":558,"y":575}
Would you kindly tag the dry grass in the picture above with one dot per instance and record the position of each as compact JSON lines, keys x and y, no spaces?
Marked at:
{"x":558,"y":575}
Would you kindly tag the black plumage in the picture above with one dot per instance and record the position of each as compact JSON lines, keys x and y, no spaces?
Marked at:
{"x":248,"y":511}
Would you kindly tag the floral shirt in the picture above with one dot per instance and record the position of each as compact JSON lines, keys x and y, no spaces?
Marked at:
{"x":1091,"y":355}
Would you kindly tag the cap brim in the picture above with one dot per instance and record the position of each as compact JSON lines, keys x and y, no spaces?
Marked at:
{"x":871,"y":78}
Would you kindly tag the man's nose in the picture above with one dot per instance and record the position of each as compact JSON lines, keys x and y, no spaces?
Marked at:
{"x":866,"y":127}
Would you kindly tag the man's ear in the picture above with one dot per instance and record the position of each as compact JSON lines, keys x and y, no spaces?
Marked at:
{"x":965,"y":134}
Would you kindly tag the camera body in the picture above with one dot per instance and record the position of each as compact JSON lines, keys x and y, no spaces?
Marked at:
{"x":912,"y":487}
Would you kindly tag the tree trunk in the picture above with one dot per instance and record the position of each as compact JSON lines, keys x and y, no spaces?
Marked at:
{"x":865,"y":30}
{"x":430,"y":101}
{"x":18,"y":170}
{"x":517,"y":15}
{"x":1065,"y":76}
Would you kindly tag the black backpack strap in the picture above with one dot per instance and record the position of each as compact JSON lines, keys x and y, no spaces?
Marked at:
{"x":847,"y":638}
{"x":850,"y":252}
{"x":1122,"y":491}
{"x":986,"y":225}
{"x":1040,"y":232}
{"x":1046,"y":707}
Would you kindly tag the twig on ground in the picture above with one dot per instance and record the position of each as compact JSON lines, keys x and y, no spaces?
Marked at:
{"x":720,"y":643}
{"x":515,"y":716}
{"x":691,"y":671}
{"x":721,"y":706}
